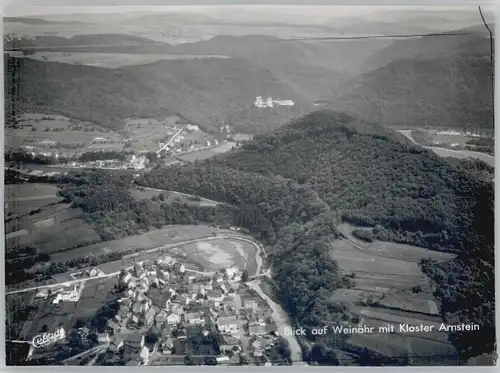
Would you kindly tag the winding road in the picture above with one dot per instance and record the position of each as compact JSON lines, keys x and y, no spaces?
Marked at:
{"x":445,"y":152}
{"x":282,"y":321}
{"x":279,"y":315}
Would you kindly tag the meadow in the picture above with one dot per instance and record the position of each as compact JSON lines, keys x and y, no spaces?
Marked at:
{"x":56,"y":133}
{"x":207,"y":152}
{"x":389,"y":287}
{"x":45,"y":223}
{"x":220,"y":254}
{"x":155,"y":238}
{"x":147,"y":133}
{"x":169,"y":196}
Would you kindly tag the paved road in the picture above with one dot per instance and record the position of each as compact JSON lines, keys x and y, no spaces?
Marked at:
{"x":208,"y":238}
{"x":170,"y":141}
{"x":281,"y":319}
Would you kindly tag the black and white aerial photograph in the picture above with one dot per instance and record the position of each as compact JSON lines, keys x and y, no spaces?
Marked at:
{"x":249,"y":185}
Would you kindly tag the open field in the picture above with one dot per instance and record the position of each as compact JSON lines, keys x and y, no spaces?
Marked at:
{"x":56,"y":133}
{"x":63,"y":236}
{"x":155,"y":238}
{"x":224,"y":147}
{"x":443,"y":152}
{"x":394,"y":250}
{"x":385,"y":277}
{"x":52,"y":228}
{"x":207,"y":153}
{"x":223,"y":253}
{"x":451,"y":139}
{"x":354,"y":260}
{"x":195,"y":155}
{"x":113,"y":60}
{"x":18,"y":192}
{"x":486,"y":158}
{"x":23,"y":198}
{"x":170,"y":196}
{"x":147,"y":133}
{"x":392,"y":299}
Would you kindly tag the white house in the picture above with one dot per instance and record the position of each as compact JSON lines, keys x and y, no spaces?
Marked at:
{"x":191,"y":127}
{"x":173,"y":319}
{"x":68,"y":296}
{"x":231,"y":272}
{"x":228,"y":324}
{"x":103,"y":338}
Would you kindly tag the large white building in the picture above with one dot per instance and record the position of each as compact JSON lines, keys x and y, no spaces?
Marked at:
{"x":68,"y":295}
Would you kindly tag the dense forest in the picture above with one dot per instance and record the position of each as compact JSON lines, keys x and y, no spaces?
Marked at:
{"x":108,"y":205}
{"x":294,"y":185}
{"x":292,"y":188}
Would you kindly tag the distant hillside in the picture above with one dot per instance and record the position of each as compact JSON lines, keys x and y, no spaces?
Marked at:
{"x":32,"y":21}
{"x":293,"y":186}
{"x":311,"y":68}
{"x":449,"y":91}
{"x":206,"y":92}
{"x":52,"y":42}
{"x":431,"y":47}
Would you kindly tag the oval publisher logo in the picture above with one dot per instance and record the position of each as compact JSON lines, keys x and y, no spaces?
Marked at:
{"x":46,"y":339}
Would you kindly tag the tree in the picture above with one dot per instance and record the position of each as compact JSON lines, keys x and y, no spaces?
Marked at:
{"x":244,"y":276}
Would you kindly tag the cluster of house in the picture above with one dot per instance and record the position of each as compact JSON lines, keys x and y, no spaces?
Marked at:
{"x":269,"y":102}
{"x":67,"y":294}
{"x":13,"y":36}
{"x":164,"y":296}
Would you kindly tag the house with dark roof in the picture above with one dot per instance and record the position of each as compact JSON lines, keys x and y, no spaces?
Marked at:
{"x":180,"y":347}
{"x":112,"y":327}
{"x":134,"y":340}
{"x":161,"y":317}
{"x":160,"y":298}
{"x":148,"y":317}
{"x":229,"y":343}
{"x":137,"y":308}
{"x":167,"y":330}
{"x":272,"y":328}
{"x":215,"y":296}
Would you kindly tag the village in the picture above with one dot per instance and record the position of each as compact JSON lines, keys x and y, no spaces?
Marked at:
{"x":169,"y":315}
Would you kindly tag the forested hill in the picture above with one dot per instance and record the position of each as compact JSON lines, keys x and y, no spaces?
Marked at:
{"x":367,"y":175}
{"x":370,"y":175}
{"x":203,"y":91}
{"x":446,"y":91}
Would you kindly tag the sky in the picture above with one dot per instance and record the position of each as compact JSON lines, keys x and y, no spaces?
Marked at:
{"x":338,"y":10}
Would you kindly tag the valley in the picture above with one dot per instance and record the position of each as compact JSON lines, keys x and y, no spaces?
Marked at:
{"x":229,"y":175}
